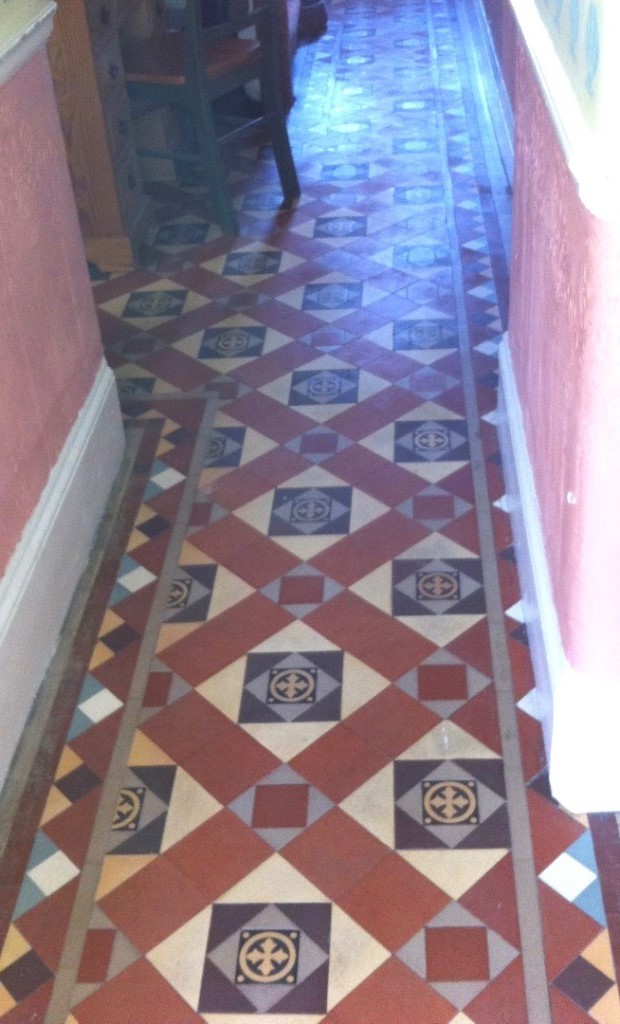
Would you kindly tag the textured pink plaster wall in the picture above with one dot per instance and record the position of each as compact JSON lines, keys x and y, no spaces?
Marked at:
{"x":565,"y":345}
{"x":49,"y":340}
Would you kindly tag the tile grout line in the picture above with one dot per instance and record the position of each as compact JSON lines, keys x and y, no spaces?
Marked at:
{"x":60,"y":1003}
{"x":528,"y":906}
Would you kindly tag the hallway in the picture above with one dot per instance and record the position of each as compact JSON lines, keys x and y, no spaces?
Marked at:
{"x":293,"y":772}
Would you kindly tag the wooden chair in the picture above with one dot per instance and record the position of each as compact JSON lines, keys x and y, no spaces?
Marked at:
{"x":197,"y":66}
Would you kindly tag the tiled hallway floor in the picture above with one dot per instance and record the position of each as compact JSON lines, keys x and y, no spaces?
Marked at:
{"x":288,"y":779}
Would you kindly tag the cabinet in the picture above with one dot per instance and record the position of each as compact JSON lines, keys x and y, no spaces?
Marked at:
{"x":87,"y":70}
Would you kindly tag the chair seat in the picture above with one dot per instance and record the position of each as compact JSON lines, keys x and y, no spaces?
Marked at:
{"x":161,"y":60}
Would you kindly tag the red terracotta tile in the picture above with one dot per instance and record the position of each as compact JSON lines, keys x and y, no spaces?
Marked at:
{"x":281,"y":806}
{"x":457,"y":954}
{"x":220,"y":755}
{"x":140,"y":994}
{"x":503,"y":999}
{"x":135,"y":609}
{"x":152,"y":904}
{"x":566,"y":930}
{"x":553,"y":830}
{"x":95,"y":961}
{"x":356,"y":464}
{"x":152,"y":554}
{"x":493,"y":901}
{"x":177,"y":368}
{"x":257,"y":372}
{"x":442,"y":682}
{"x":365,"y":550}
{"x":95,"y":746}
{"x":71,"y":829}
{"x":217,"y":643}
{"x":389,"y":996}
{"x":473,"y":647}
{"x":564,"y":1010}
{"x":33,"y":1008}
{"x":45,"y":925}
{"x":218,"y":854}
{"x":302,"y":590}
{"x":338,"y":763}
{"x":533,"y":754}
{"x":375,"y":638}
{"x":334,"y":853}
{"x":269,"y":417}
{"x":391,"y":722}
{"x":393,"y":901}
{"x":479,"y":718}
{"x":464,"y":531}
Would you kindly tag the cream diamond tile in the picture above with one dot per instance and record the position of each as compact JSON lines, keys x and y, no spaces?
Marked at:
{"x":453,"y":871}
{"x":437,"y":546}
{"x":432,"y":411}
{"x":599,"y":954}
{"x":461,"y":1018}
{"x":287,"y":740}
{"x":118,"y":869}
{"x":180,"y":958}
{"x":447,"y":741}
{"x":247,"y":253}
{"x":191,"y":555}
{"x":190,"y":805}
{"x":268,"y":882}
{"x":359,"y":685}
{"x":376,"y":588}
{"x":607,"y":1010}
{"x":426,"y":357}
{"x":145,"y":752}
{"x":440,"y":629}
{"x":56,"y":803}
{"x":432,"y":472}
{"x":15,"y":946}
{"x":225,"y":688}
{"x":69,"y":760}
{"x":372,"y":806}
{"x":53,"y":873}
{"x":160,"y":315}
{"x":354,"y":955}
{"x":297,"y":636}
{"x":228,"y":591}
{"x":170,"y":633}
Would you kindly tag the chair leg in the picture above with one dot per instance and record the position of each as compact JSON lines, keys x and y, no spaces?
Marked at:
{"x":208,"y":150}
{"x":287,"y":171}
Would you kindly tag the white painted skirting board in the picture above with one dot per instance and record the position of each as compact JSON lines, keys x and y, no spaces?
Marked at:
{"x":579,"y":712}
{"x":40,"y":580}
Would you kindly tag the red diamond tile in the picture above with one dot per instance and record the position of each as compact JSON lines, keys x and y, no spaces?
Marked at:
{"x":493,"y":900}
{"x":566,"y":929}
{"x":553,"y":830}
{"x":281,"y":806}
{"x":95,"y":746}
{"x":355,"y":464}
{"x":390,"y":995}
{"x":375,"y":638}
{"x":117,"y":673}
{"x":96,"y":955}
{"x":269,"y":417}
{"x":391,"y":722}
{"x":178,"y":369}
{"x":533,"y":757}
{"x":220,"y":755}
{"x":442,"y":682}
{"x":33,"y":1008}
{"x":473,"y":647}
{"x":218,"y":854}
{"x":503,"y":999}
{"x":393,"y":901}
{"x":257,"y":372}
{"x":45,"y":926}
{"x":152,"y":904}
{"x":464,"y":531}
{"x":71,"y":829}
{"x":217,"y":643}
{"x":135,"y":609}
{"x":152,"y":554}
{"x":139,"y":994}
{"x":334,"y":853}
{"x":565,"y":1011}
{"x":301,"y":590}
{"x":228,"y":541}
{"x":369,"y":547}
{"x":479,"y":718}
{"x":338,"y":763}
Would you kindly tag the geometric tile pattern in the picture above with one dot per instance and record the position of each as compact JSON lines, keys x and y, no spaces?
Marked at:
{"x":285,"y":670}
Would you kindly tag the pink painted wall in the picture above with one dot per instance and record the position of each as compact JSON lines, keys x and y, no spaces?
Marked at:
{"x":565,"y":344}
{"x":504,"y":31}
{"x":49,"y":339}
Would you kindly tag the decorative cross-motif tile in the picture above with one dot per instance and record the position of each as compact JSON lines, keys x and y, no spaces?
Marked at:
{"x":450,"y":804}
{"x":437,"y":587}
{"x":430,"y":441}
{"x":290,"y":687}
{"x":180,"y":235}
{"x":155,"y":304}
{"x":345,"y":172}
{"x":342,"y":295}
{"x":232,"y":342}
{"x":252,"y":264}
{"x":267,"y":959}
{"x":324,"y":387}
{"x":225,"y":447}
{"x":191,"y":591}
{"x":339,"y":227}
{"x":300,"y":511}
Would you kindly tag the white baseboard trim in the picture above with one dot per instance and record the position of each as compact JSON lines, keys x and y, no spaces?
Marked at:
{"x":40,"y":580}
{"x":579,"y":712}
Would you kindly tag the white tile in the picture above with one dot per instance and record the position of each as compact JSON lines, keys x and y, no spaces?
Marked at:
{"x":100,"y":706}
{"x":567,"y":876}
{"x":53,"y":873}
